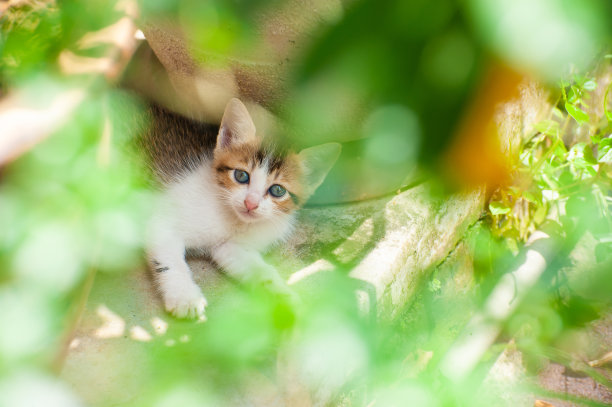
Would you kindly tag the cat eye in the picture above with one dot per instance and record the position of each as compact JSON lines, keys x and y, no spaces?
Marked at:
{"x":277,"y":191}
{"x":241,"y":176}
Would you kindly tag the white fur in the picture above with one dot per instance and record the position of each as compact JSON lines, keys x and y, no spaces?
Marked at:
{"x":195,"y":212}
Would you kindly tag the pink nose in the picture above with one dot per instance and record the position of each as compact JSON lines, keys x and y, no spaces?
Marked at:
{"x":251,"y":204}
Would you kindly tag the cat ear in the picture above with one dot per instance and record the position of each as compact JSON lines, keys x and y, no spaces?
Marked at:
{"x":316,"y":162}
{"x":237,"y":127}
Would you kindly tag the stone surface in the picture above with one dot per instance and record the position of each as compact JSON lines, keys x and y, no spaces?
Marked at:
{"x":107,"y":353}
{"x":505,"y":382}
{"x":558,"y":379}
{"x":258,"y":72}
{"x":388,"y":243}
{"x":589,"y":344}
{"x":510,"y":384}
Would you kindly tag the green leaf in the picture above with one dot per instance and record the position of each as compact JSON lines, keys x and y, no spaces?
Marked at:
{"x":550,"y":181}
{"x":605,"y":142}
{"x":605,"y":104}
{"x":573,"y":95}
{"x":514,"y":191}
{"x":498,"y":208}
{"x":526,"y":157}
{"x":566,"y":178}
{"x":540,"y":214}
{"x":560,"y":151}
{"x":590,"y":85}
{"x":577,"y":113}
{"x":605,"y":155}
{"x":558,"y":113}
{"x":596,"y":138}
{"x":581,"y":156}
{"x":591,"y":170}
{"x":530,"y":197}
{"x":578,"y":311}
{"x":511,"y":242}
{"x":548,"y":127}
{"x":587,"y":153}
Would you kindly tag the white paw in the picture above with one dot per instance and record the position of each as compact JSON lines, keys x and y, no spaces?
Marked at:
{"x":185,"y":300}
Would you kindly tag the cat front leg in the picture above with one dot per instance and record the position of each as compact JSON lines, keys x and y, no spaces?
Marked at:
{"x":247,"y":265}
{"x":181,"y":295}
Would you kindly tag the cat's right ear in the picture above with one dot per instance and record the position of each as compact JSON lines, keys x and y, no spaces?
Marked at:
{"x":316,"y":162}
{"x":237,"y":126}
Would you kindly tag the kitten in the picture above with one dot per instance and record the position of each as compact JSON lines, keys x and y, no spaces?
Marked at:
{"x":232,"y":198}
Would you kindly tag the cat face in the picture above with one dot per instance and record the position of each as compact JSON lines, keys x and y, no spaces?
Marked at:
{"x":255,"y":180}
{"x":257,"y":184}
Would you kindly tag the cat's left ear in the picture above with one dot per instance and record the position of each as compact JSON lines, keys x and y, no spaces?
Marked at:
{"x":316,"y":162}
{"x":237,"y":126}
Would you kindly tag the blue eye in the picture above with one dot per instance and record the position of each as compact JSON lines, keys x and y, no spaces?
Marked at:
{"x":277,"y":191}
{"x":241,"y":176}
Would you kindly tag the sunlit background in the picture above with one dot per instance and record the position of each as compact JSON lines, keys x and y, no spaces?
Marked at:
{"x":467,"y":220}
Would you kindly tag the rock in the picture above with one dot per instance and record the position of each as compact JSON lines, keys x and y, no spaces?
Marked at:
{"x":387,"y":243}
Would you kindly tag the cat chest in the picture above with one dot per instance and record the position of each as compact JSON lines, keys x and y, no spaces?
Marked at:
{"x":203,"y":230}
{"x":204,"y":235}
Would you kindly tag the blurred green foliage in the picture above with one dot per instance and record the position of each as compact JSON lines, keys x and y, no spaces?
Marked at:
{"x":563,"y":183}
{"x":30,"y":39}
{"x":76,"y":202}
{"x":554,"y":182}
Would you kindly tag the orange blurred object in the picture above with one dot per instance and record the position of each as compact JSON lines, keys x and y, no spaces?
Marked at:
{"x":475,"y":156}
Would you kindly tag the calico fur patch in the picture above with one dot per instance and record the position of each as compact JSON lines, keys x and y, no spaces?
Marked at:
{"x":281,"y":167}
